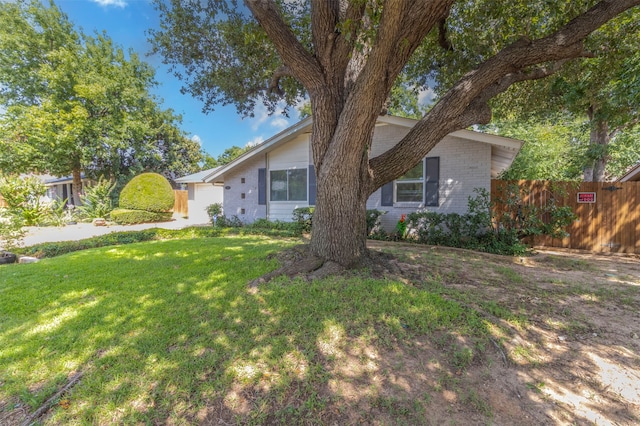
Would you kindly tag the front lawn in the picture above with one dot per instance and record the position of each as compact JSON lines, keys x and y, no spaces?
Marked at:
{"x":168,"y":332}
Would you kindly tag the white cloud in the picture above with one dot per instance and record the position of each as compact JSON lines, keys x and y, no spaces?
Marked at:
{"x":261,"y":116}
{"x":426,"y":96}
{"x":107,"y":3}
{"x":196,"y":139}
{"x":255,"y":141}
{"x":279,"y":122}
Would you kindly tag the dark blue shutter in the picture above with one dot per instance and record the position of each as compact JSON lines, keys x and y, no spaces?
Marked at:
{"x":312,"y":185}
{"x":386,"y":197}
{"x":262,"y":187}
{"x":432,"y":182}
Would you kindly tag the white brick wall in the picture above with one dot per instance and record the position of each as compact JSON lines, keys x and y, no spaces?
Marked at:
{"x":233,"y":201}
{"x":293,"y":155}
{"x":464,"y":165}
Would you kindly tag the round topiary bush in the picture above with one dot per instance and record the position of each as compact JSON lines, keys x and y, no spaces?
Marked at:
{"x":150,"y":192}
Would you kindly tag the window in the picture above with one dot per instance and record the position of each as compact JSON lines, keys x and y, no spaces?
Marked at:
{"x":288,"y":185}
{"x":410,"y":187}
{"x":418,"y":185}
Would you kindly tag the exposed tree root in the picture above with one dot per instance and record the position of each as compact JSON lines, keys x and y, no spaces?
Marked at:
{"x":298,"y":262}
{"x":52,"y":400}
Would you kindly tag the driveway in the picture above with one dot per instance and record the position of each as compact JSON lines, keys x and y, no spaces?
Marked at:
{"x":37,"y":235}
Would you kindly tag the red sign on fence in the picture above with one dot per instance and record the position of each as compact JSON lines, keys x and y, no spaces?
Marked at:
{"x":586,"y":197}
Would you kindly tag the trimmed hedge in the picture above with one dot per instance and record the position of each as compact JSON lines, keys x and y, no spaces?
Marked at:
{"x":150,"y":192}
{"x":131,"y":217}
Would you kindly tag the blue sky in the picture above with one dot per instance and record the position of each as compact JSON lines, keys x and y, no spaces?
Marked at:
{"x":126,"y":21}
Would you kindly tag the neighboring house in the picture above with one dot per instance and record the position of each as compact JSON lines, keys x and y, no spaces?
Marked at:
{"x":61,"y":188}
{"x":201,"y":194}
{"x":277,"y":176}
{"x":632,"y":175}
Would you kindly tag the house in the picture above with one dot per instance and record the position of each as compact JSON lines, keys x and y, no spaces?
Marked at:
{"x":632,"y":175}
{"x":61,"y":188}
{"x":201,"y":194}
{"x":277,"y":176}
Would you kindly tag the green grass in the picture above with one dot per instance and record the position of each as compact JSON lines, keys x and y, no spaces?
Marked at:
{"x":163,"y":329}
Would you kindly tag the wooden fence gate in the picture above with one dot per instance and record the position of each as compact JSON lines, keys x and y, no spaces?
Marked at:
{"x":181,"y":205}
{"x":608,"y":212}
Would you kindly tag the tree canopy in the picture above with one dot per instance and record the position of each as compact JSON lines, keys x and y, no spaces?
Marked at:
{"x":603,"y":91}
{"x":347,"y":56}
{"x":79,"y":104}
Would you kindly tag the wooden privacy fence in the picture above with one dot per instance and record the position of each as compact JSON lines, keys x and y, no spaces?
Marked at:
{"x":181,"y":205}
{"x":608,"y":212}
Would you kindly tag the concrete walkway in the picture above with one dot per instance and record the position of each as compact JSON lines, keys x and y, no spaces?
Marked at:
{"x":37,"y":235}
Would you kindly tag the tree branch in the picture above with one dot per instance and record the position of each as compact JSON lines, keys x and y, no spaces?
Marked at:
{"x":626,"y":125}
{"x":302,"y":64}
{"x":455,"y":110}
{"x":536,"y":73}
{"x":324,"y":20}
{"x":443,"y":41}
{"x":274,"y":84}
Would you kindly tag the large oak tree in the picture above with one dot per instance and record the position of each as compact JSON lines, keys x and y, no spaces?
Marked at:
{"x":346,"y":57}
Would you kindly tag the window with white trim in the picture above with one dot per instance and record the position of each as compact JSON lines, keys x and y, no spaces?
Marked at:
{"x":420,"y":185}
{"x":288,"y":185}
{"x":410,"y":187}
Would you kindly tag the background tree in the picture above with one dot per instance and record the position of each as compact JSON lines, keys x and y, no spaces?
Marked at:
{"x":347,"y":56}
{"x":77,"y":104}
{"x":553,"y":148}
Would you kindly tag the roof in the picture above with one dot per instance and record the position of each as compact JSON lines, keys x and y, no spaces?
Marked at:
{"x":64,"y":179}
{"x":503,"y":150}
{"x":632,"y":175}
{"x":197,"y":177}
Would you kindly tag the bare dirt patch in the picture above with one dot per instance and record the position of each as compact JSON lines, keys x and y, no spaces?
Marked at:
{"x":563,"y":346}
{"x":568,"y":324}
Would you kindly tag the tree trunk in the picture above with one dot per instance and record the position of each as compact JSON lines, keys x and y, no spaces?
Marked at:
{"x":77,"y":187}
{"x":599,"y":139}
{"x":339,"y":221}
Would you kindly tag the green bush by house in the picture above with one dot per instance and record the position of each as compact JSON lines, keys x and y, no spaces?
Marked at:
{"x":150,"y":192}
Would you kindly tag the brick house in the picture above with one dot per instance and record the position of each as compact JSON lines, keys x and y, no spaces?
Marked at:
{"x":278,"y":176}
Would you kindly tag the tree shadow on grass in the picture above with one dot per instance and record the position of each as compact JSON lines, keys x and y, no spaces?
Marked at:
{"x":168,"y":332}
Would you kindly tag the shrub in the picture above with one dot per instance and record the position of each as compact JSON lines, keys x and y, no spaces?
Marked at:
{"x":11,"y":230}
{"x":149,"y":192}
{"x":214,"y":210}
{"x":303,"y":216}
{"x":130,"y":217}
{"x":23,"y":196}
{"x":225,"y":222}
{"x":529,"y":219}
{"x":480,"y":228}
{"x":96,"y":201}
{"x":59,"y":214}
{"x":373,"y":221}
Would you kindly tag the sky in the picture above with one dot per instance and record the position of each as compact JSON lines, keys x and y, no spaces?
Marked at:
{"x":126,"y":23}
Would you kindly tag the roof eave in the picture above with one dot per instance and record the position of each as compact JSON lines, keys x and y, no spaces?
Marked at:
{"x":287,"y":133}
